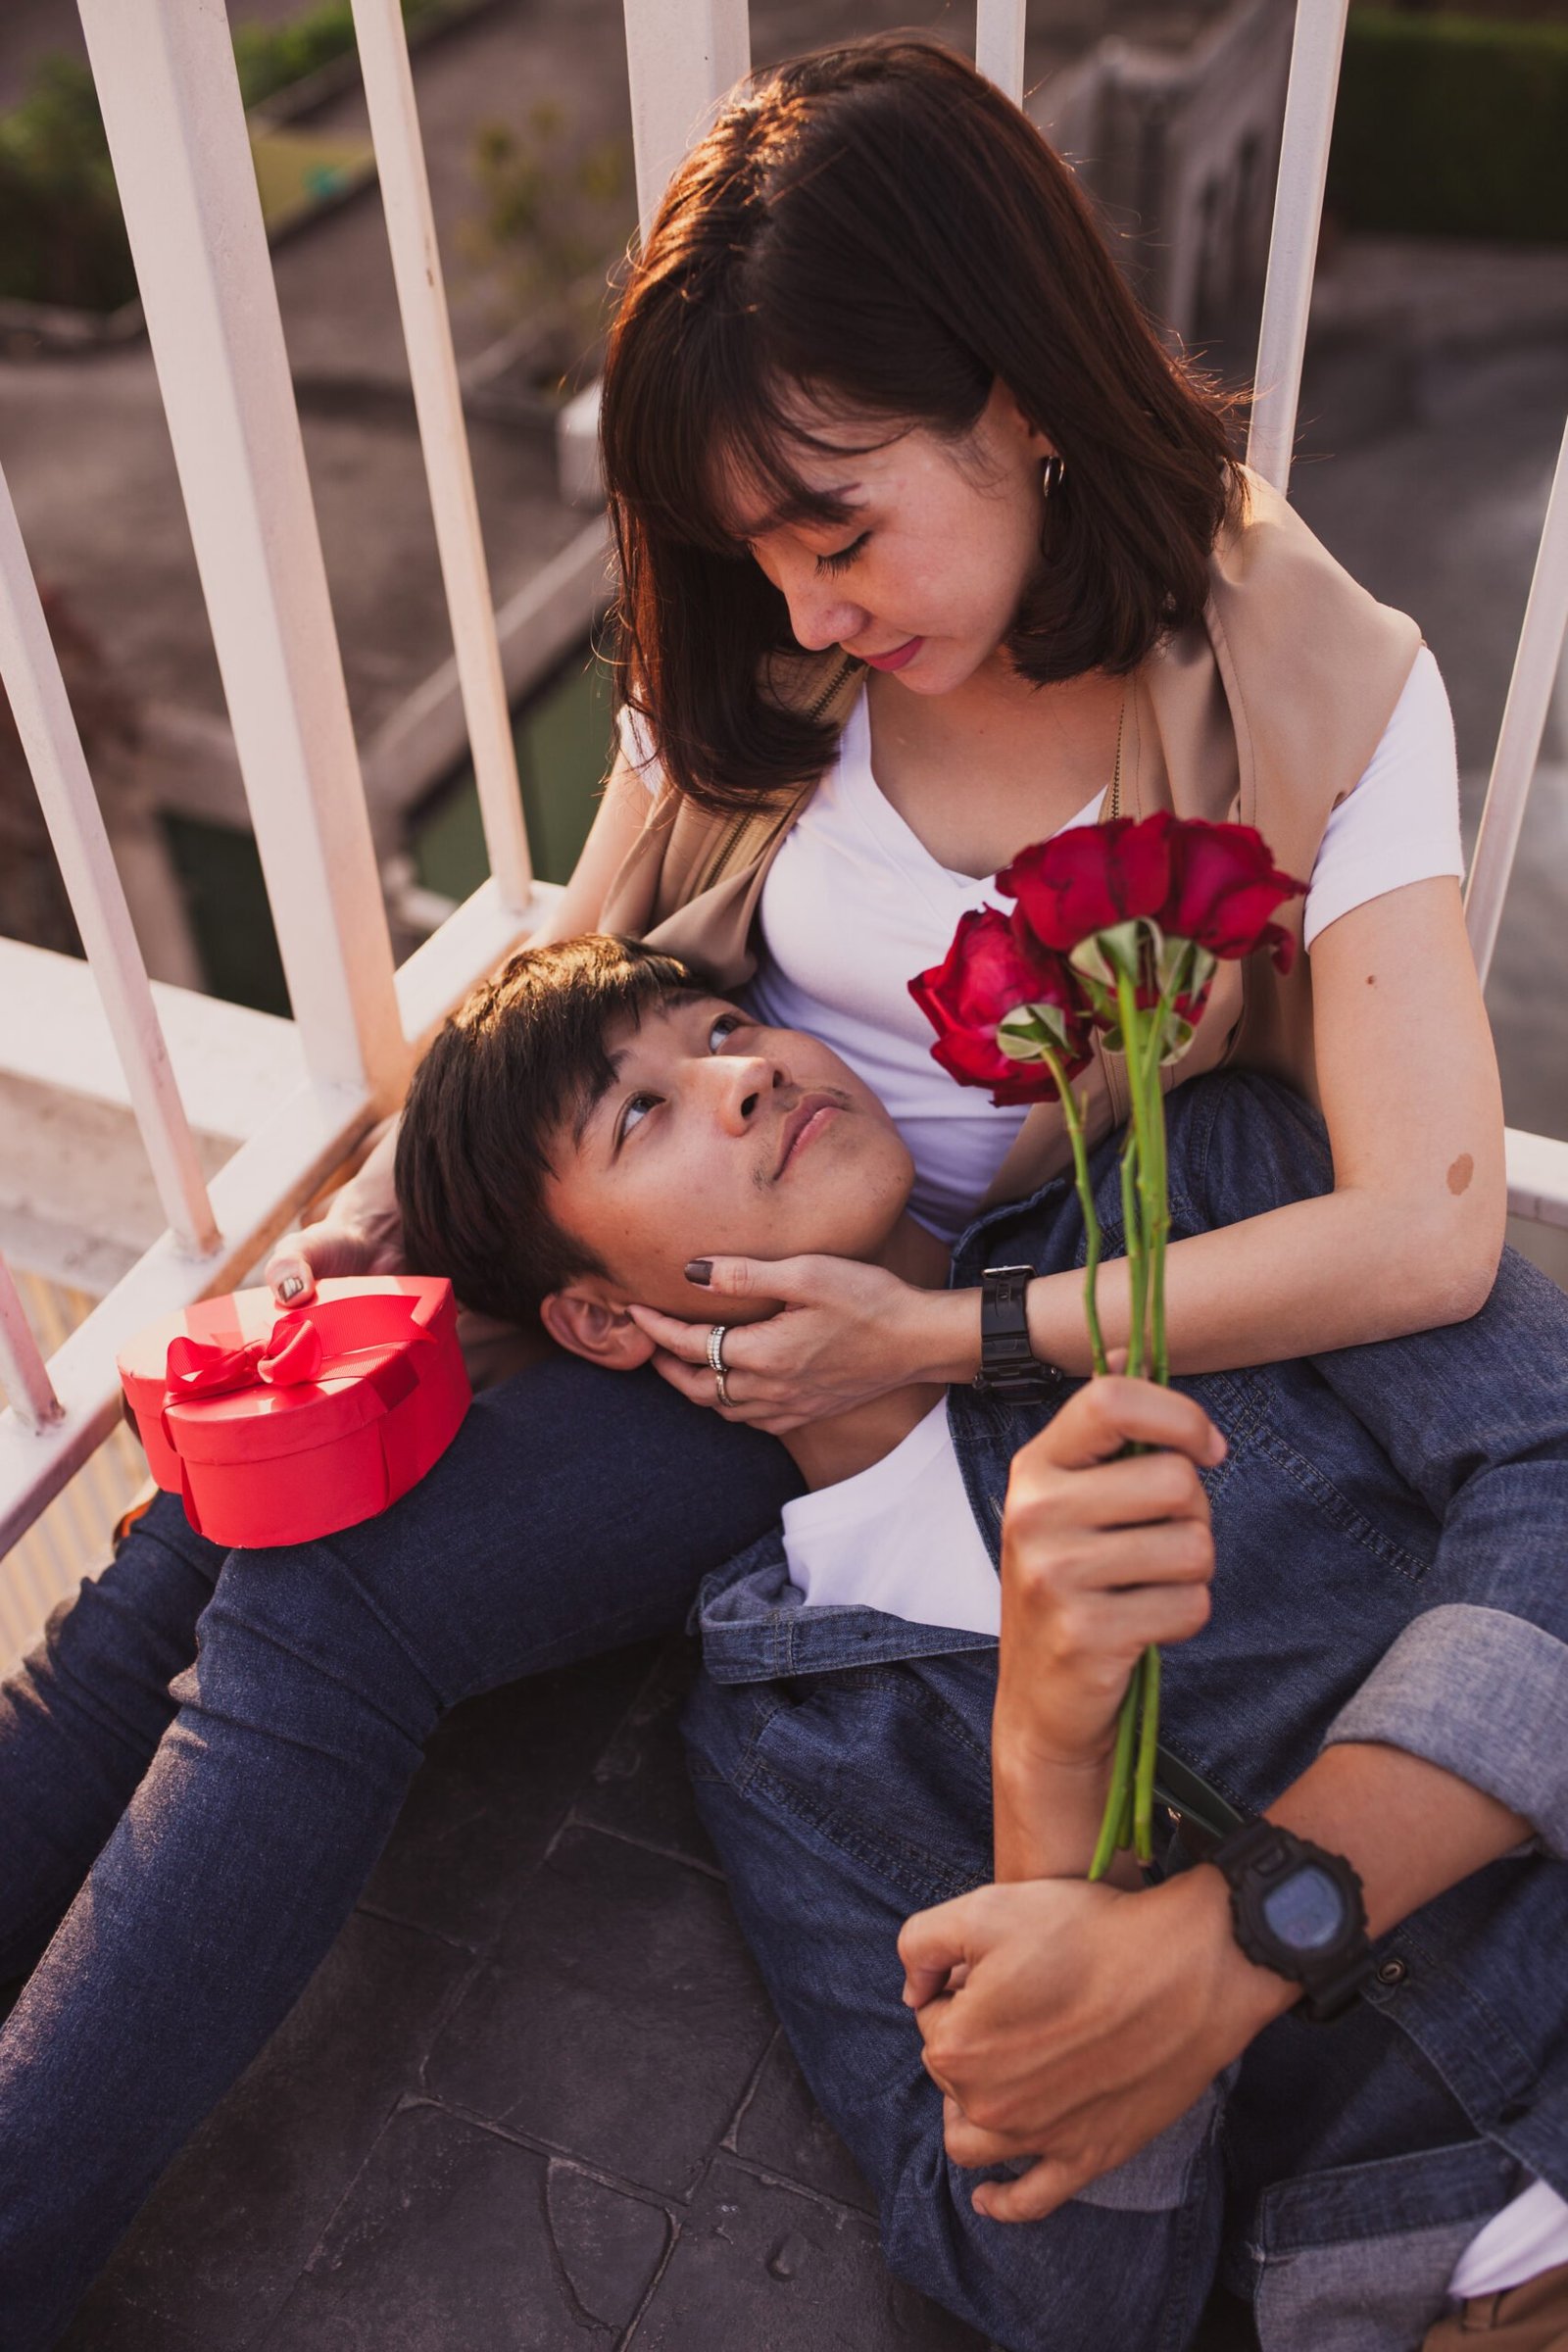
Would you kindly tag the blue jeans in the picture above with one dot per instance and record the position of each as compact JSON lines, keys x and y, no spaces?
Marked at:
{"x":220,"y":1817}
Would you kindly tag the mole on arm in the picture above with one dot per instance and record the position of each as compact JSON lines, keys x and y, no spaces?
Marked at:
{"x":1459,"y":1175}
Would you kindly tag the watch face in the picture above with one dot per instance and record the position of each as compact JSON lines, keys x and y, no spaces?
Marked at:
{"x":1306,"y":1910}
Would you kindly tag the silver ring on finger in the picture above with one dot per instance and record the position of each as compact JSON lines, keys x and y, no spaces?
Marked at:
{"x":716,"y":1335}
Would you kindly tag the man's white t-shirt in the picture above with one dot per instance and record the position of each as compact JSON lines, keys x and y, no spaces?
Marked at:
{"x":854,"y":906}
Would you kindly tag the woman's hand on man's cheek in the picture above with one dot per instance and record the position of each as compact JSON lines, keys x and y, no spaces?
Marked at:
{"x":839,"y":1333}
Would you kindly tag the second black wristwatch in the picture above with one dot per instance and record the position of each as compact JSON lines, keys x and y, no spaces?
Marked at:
{"x":1008,"y":1365}
{"x":1298,"y":1910}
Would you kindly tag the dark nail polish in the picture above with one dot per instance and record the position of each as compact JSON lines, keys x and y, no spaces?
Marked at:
{"x":700,"y":1271}
{"x":291,"y":1287}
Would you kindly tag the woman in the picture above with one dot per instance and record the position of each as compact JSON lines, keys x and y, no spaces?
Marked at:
{"x":876,"y":391}
{"x":937,"y":438}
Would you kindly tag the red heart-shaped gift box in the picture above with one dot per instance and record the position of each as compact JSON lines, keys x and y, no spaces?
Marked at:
{"x":275,"y":1426}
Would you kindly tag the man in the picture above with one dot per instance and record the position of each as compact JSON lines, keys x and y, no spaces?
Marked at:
{"x":1383,"y":1670}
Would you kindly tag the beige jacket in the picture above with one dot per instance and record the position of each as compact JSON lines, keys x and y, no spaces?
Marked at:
{"x":1265,"y":714}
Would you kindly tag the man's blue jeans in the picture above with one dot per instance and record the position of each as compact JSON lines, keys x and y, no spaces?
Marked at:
{"x":225,"y":1826}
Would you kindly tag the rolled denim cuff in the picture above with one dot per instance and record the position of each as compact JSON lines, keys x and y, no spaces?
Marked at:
{"x":1158,"y":2178}
{"x":1485,"y":1696}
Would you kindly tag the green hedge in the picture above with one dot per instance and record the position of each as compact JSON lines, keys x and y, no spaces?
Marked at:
{"x":1452,"y":126}
{"x":61,"y":239}
{"x":272,"y":57}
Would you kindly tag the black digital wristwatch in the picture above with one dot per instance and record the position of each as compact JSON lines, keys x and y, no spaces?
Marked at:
{"x":1008,"y":1365}
{"x":1298,"y":1910}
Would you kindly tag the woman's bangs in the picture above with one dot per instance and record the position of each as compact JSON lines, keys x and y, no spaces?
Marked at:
{"x":755,"y":482}
{"x":731,"y":459}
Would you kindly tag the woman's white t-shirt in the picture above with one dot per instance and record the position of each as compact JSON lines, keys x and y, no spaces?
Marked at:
{"x":854,"y":905}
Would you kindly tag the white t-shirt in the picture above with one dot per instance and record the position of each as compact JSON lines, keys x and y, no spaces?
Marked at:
{"x":900,"y":1537}
{"x":854,"y":906}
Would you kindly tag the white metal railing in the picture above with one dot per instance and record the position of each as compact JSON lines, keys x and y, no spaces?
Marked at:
{"x":1293,"y":246}
{"x":42,"y":709}
{"x":1524,"y":721}
{"x":168,"y":91}
{"x":438,"y":405}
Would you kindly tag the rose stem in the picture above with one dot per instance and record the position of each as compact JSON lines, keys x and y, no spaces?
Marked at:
{"x":1109,"y":1838}
{"x":1135,"y":1255}
{"x":1157,"y":1204}
{"x":1148,"y":1749}
{"x":1072,"y":1112}
{"x":1142,"y":1036}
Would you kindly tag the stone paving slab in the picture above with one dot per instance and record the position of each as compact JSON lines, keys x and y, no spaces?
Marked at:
{"x":782,"y":2131}
{"x":760,"y":2264}
{"x":456,"y":2235}
{"x":618,"y":2018}
{"x":639,"y":1787}
{"x":497,"y":1780}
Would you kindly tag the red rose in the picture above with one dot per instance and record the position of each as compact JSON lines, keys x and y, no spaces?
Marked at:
{"x":1224,"y":886}
{"x":987,"y":973}
{"x":1091,"y":877}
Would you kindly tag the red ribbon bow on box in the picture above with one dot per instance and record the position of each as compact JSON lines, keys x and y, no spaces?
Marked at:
{"x":292,"y":1352}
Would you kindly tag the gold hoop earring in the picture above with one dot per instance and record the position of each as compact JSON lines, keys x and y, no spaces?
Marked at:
{"x":1053,"y":473}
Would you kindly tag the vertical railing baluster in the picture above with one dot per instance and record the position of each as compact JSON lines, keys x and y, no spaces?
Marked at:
{"x":1524,"y":721}
{"x":169,"y":95}
{"x":998,"y":26}
{"x":24,"y":1373}
{"x":443,"y":438}
{"x":681,"y":61}
{"x":1292,"y":245}
{"x":41,"y":707}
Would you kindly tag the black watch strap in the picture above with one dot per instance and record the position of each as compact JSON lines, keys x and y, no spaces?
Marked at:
{"x":1008,"y":1365}
{"x":1258,"y":1858}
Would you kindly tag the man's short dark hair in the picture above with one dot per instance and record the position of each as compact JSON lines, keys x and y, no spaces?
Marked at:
{"x":521,"y":1060}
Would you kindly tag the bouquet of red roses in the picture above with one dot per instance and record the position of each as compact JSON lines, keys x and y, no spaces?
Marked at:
{"x":1116,"y":928}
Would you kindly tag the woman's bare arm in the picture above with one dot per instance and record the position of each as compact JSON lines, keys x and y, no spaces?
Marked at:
{"x":1410,"y":1237}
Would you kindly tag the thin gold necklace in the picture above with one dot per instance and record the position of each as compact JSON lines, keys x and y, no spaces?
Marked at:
{"x":1115,"y":774}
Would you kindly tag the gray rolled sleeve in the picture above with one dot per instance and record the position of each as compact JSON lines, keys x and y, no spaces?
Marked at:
{"x":1485,"y":1696}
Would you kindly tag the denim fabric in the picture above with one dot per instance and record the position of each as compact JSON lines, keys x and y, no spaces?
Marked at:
{"x":840,"y":1803}
{"x":1380,"y":1509}
{"x":223,"y":1822}
{"x":1512,"y":1673}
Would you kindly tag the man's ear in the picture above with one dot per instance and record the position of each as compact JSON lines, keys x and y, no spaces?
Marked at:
{"x":596,"y":1327}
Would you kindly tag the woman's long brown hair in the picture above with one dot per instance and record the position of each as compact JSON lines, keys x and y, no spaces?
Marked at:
{"x":878,"y":227}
